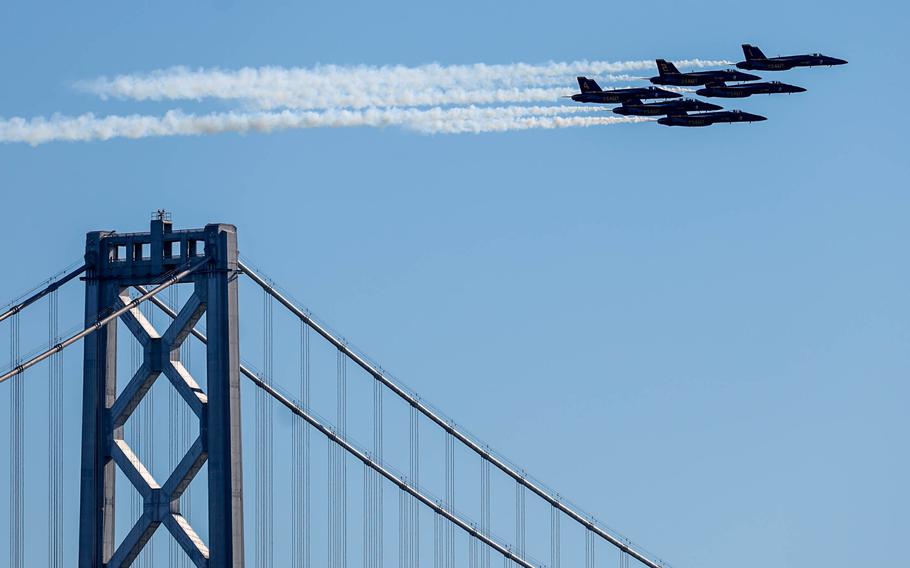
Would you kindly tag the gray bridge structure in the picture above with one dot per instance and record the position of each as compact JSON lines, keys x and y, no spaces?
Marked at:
{"x":125,"y":276}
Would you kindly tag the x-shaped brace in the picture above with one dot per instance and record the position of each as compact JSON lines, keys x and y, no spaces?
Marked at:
{"x":161,"y":503}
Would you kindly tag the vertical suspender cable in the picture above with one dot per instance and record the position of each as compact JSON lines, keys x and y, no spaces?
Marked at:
{"x":172,"y":430}
{"x":485,"y":518}
{"x":450,"y":500}
{"x":185,"y":437}
{"x":367,"y":514}
{"x":51,"y":510}
{"x":414,"y":505}
{"x":373,"y":491}
{"x":300,"y":532}
{"x":264,"y":425}
{"x":402,"y":530}
{"x":520,"y":519}
{"x":270,"y":447}
{"x":377,"y":479}
{"x":137,"y":427}
{"x":260,"y":447}
{"x":344,"y":464}
{"x":589,"y":548}
{"x":264,"y":519}
{"x":341,"y":490}
{"x":306,"y":448}
{"x":17,"y":476}
{"x":330,"y":501}
{"x":55,"y":436}
{"x":472,"y":561}
{"x":554,"y":537}
{"x":148,"y":430}
{"x":437,"y":542}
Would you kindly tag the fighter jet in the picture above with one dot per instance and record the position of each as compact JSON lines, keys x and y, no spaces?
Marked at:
{"x":592,"y":93}
{"x":742,"y":90}
{"x":670,"y":75}
{"x":756,"y":60}
{"x":635,"y":107}
{"x":709,"y":118}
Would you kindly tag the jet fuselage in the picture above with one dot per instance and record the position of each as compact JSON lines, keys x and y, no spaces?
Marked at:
{"x":789,"y":62}
{"x":701,"y":78}
{"x":638,"y":108}
{"x":618,"y":96}
{"x":709,"y":118}
{"x":747,"y":90}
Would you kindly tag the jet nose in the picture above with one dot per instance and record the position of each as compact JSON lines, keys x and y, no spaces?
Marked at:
{"x":799,"y":90}
{"x":710,"y":106}
{"x":749,"y":77}
{"x":840,"y":61}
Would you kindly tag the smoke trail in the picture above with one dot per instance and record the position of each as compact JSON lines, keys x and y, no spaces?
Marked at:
{"x":88,"y":127}
{"x":332,"y":86}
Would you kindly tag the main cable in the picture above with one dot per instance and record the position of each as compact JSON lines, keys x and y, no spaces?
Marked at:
{"x":401,"y":482}
{"x":478,"y":447}
{"x":406,"y":488}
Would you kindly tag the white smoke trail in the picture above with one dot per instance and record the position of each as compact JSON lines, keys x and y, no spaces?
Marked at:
{"x":333,"y":86}
{"x":88,"y":127}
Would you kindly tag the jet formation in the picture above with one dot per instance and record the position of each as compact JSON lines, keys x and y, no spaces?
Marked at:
{"x":713,"y":83}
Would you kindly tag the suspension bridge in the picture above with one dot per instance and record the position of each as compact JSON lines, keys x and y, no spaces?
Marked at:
{"x":347,"y":465}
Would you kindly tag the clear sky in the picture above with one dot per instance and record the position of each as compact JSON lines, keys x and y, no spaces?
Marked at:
{"x":700,"y":335}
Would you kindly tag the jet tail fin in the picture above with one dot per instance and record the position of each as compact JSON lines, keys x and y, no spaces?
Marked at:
{"x":751,"y":52}
{"x":588,"y":85}
{"x":664,"y":67}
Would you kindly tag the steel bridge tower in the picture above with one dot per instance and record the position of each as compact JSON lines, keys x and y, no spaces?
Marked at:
{"x":115,"y":263}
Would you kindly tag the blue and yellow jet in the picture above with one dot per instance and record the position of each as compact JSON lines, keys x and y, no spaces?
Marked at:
{"x":756,"y":60}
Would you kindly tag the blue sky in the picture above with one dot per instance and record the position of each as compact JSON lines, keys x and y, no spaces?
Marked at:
{"x":700,"y":335}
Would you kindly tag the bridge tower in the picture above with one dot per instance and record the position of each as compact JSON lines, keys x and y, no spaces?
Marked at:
{"x":114,"y":263}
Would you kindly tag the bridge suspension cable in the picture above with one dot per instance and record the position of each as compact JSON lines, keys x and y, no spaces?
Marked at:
{"x":559,"y":505}
{"x":54,"y":283}
{"x":404,"y":484}
{"x":167,"y":283}
{"x":55,"y":424}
